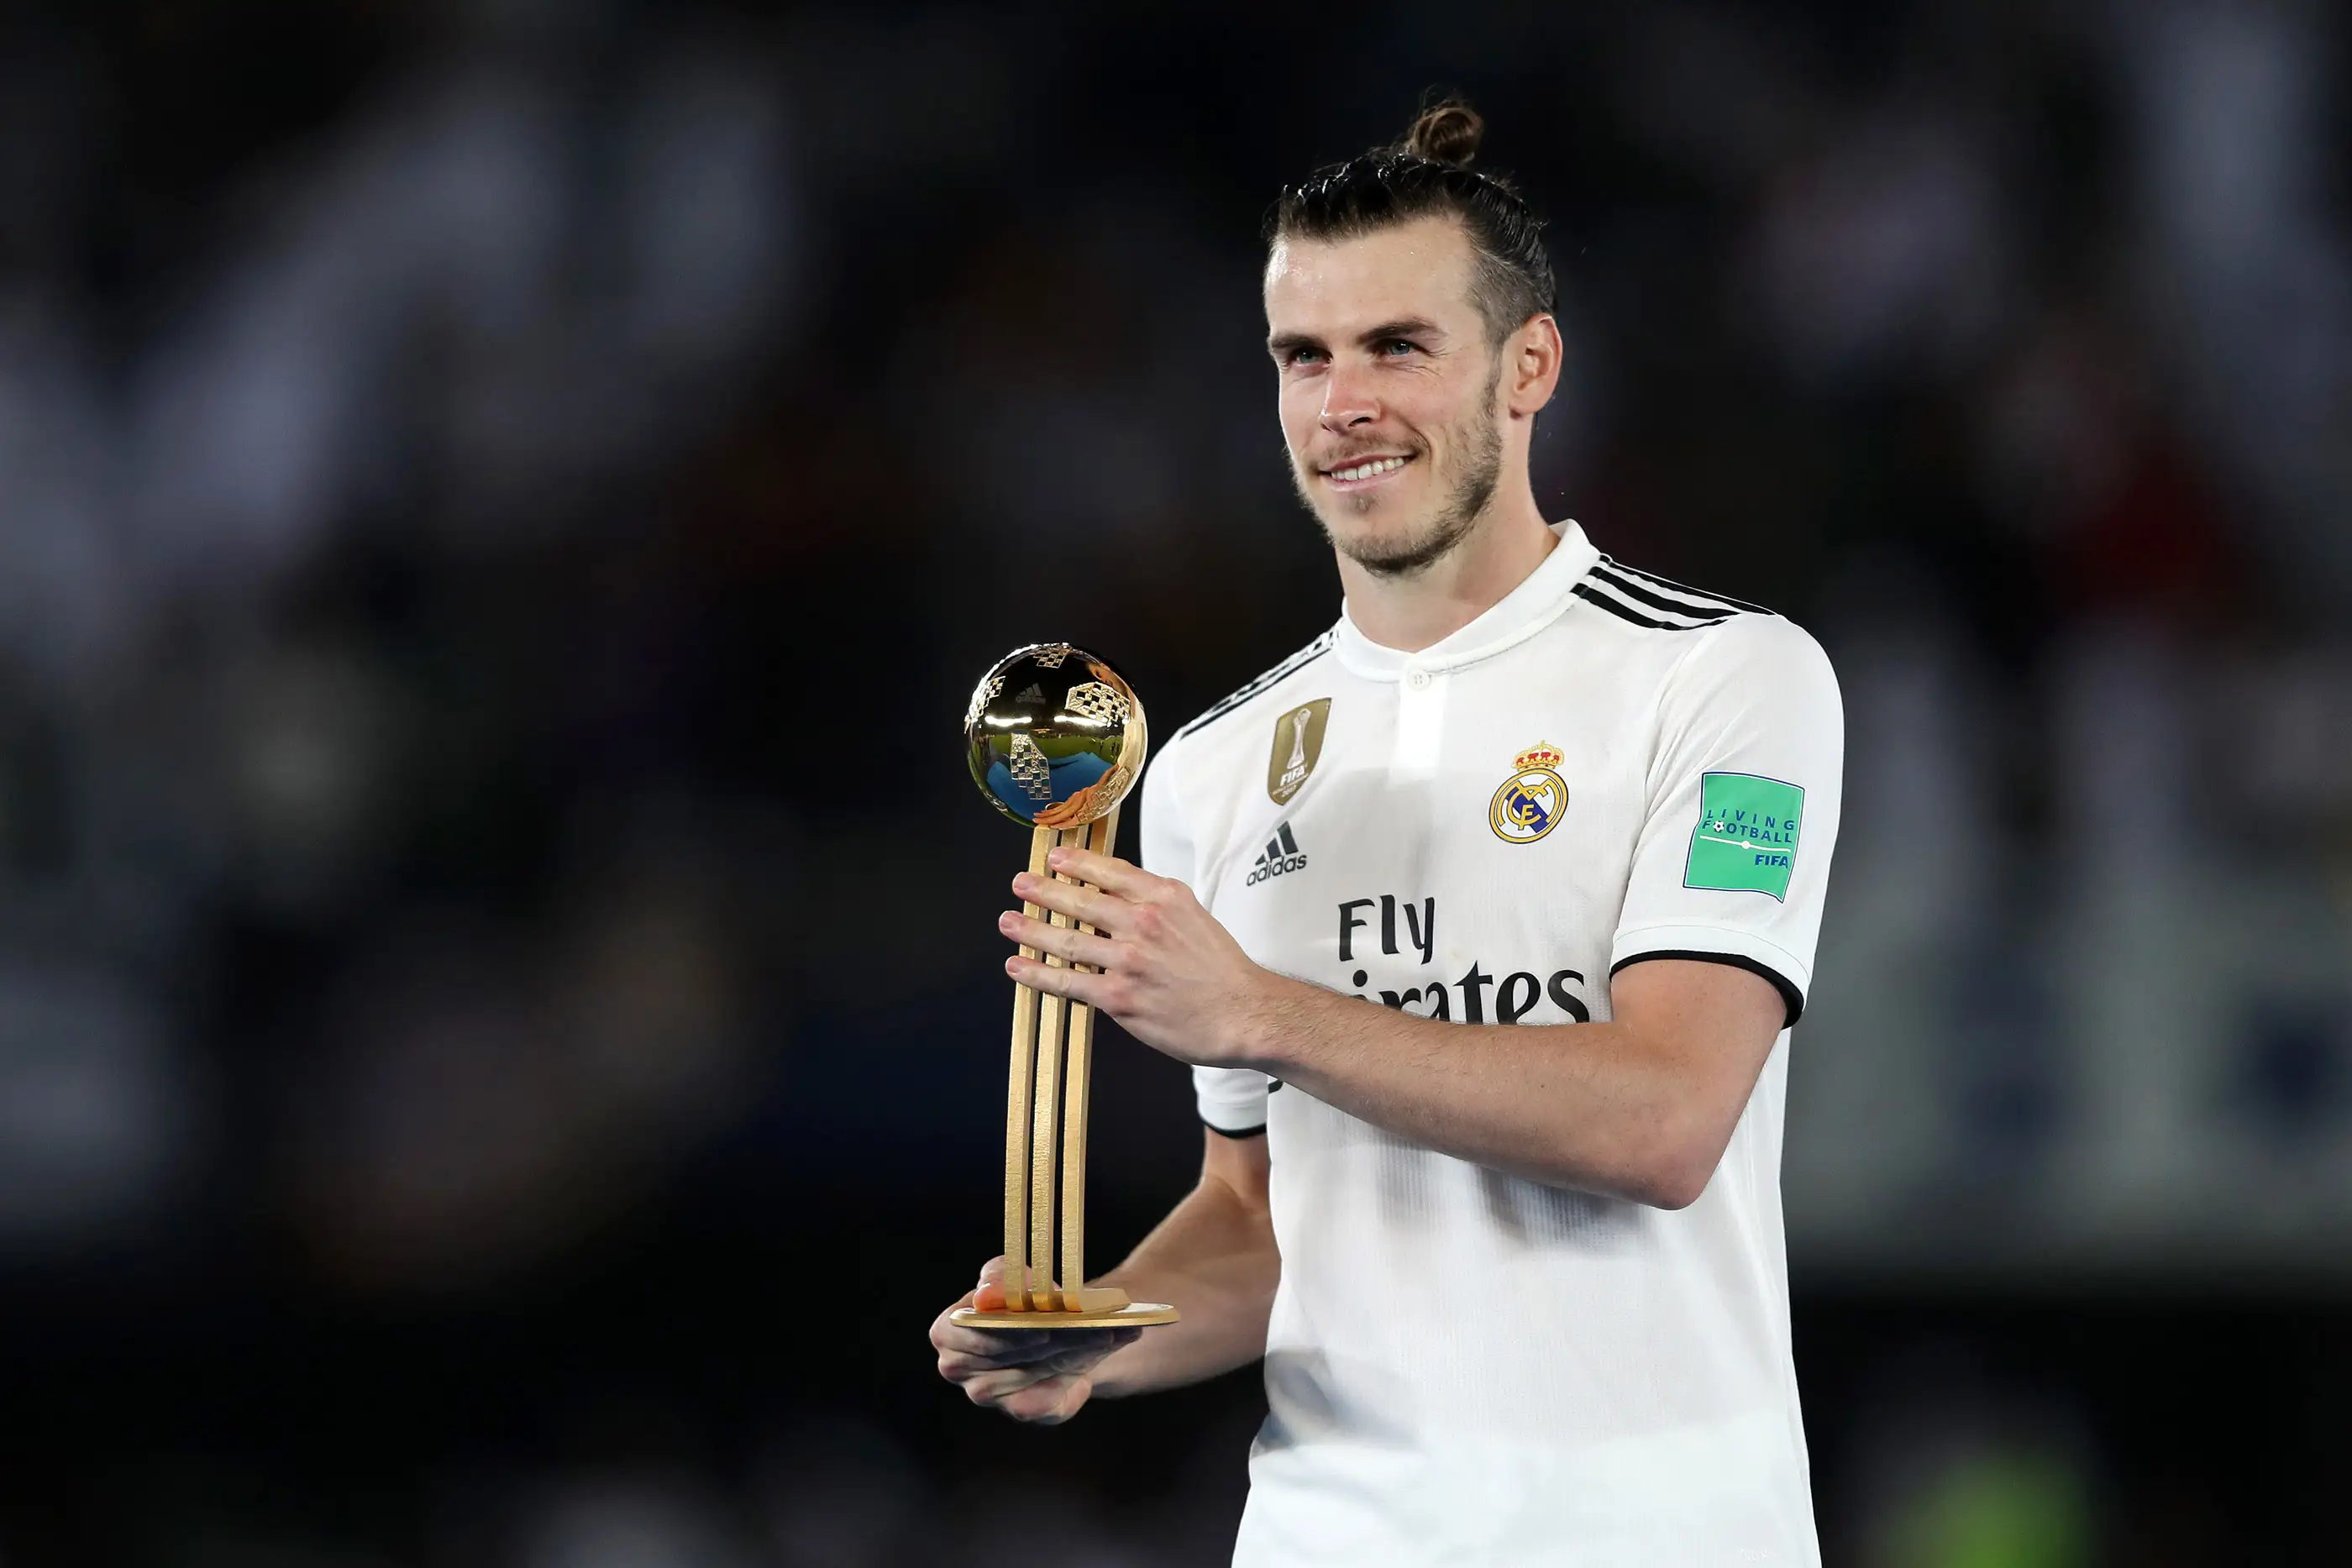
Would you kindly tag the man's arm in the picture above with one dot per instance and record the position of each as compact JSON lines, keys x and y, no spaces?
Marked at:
{"x":1213,"y":1256}
{"x":1641,"y":1107}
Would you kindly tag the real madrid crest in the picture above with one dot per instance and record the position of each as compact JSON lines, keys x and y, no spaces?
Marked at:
{"x":1532,"y":800}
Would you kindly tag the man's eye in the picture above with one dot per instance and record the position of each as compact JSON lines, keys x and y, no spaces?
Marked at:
{"x":1304,"y":357}
{"x":1400,"y":346}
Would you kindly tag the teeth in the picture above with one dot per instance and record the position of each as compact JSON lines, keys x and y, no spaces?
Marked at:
{"x":1366,"y":470}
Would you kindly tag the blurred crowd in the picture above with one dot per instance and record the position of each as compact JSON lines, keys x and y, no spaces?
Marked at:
{"x":501,"y":501}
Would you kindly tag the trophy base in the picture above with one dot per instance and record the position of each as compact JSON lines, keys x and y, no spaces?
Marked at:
{"x":1135,"y":1314}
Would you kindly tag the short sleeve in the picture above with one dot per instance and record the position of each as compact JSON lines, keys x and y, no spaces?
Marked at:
{"x":1232,"y":1099}
{"x":1743,"y":794}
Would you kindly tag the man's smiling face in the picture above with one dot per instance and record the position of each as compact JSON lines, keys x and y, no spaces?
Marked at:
{"x":1388,"y":389}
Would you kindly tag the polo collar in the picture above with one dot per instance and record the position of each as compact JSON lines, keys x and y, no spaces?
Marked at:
{"x":1534,"y":604}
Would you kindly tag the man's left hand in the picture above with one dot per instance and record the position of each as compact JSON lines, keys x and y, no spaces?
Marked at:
{"x":1172,"y":976}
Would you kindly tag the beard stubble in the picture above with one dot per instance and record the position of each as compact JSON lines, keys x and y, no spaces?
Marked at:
{"x":1463,"y":503}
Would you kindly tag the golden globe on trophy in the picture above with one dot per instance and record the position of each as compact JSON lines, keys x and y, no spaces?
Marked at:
{"x":1055,"y":739}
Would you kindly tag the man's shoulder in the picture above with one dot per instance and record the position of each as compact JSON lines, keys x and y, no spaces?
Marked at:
{"x":1267,"y":689}
{"x":1632,"y":601}
{"x":1685,"y":631}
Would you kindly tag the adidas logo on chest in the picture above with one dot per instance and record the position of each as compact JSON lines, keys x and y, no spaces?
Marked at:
{"x":1281,"y":854}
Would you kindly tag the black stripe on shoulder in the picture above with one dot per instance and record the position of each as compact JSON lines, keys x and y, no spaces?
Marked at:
{"x":1634,"y":590}
{"x":1290,"y":666}
{"x":1670,"y":586}
{"x":1586,"y":591}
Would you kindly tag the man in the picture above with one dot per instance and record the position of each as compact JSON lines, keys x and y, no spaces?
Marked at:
{"x":1482,"y":921}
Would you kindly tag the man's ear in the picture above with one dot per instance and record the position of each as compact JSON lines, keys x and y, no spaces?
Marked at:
{"x":1533,"y":375}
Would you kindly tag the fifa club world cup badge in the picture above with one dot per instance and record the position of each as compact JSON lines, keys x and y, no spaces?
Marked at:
{"x":1298,"y":747}
{"x":1532,"y":800}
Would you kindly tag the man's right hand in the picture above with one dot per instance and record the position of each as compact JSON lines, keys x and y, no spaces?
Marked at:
{"x":1043,"y":1376}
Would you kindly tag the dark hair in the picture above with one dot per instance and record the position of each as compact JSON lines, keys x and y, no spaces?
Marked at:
{"x":1428,"y":174}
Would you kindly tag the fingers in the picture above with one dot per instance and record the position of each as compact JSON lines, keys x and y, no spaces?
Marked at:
{"x":1003,"y":1370}
{"x":1062,"y":941}
{"x":1099,"y":910}
{"x":1121,"y":879}
{"x":1046,"y":1401}
{"x":988,"y":1294}
{"x":1079,"y":985}
{"x":1083,"y":1350}
{"x":1032,"y":1352}
{"x":1111,"y":1340}
{"x":1049,"y":1403}
{"x":966,"y":1353}
{"x":990,"y":1347}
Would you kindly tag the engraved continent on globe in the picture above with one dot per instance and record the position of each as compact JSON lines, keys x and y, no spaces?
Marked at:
{"x":1054,"y":736}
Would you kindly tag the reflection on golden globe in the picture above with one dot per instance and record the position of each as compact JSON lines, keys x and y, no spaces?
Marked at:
{"x":1054,"y":736}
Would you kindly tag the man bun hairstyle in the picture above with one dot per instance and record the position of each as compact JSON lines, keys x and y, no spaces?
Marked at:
{"x":1445,"y":132}
{"x":1427,"y":174}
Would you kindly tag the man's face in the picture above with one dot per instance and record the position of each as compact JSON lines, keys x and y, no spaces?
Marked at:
{"x":1388,"y":389}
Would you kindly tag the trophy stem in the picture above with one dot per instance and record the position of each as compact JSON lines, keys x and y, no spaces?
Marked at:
{"x":1102,"y":835}
{"x":1016,"y":1106}
{"x":1047,"y":1091}
{"x":1046,"y":1106}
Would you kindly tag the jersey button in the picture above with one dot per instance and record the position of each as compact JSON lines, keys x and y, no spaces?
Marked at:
{"x":1417,"y":679}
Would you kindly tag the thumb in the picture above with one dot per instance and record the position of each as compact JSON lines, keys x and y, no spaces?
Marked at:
{"x":990,"y":1296}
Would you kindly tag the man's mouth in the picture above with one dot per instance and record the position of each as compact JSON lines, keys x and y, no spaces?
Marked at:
{"x":1365,"y":470}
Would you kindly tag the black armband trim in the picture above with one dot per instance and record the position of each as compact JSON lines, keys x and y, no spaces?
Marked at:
{"x":1256,"y":1131}
{"x":1793,"y":998}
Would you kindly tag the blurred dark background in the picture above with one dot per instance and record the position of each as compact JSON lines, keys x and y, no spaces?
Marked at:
{"x":501,"y":502}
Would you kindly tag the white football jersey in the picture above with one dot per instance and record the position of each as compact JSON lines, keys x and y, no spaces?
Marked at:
{"x":1464,"y":1366}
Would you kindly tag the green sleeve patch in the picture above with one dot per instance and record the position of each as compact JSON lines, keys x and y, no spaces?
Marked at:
{"x":1745,"y":841}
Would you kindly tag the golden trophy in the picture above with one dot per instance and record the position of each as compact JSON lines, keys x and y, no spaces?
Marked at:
{"x":1055,"y":739}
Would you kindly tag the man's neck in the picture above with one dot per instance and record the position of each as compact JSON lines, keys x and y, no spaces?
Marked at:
{"x":1412,"y":612}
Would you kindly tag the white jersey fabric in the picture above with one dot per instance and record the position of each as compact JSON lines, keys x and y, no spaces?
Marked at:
{"x":1464,"y":1366}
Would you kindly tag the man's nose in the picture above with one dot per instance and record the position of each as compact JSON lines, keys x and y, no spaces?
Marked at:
{"x":1347,"y":400}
